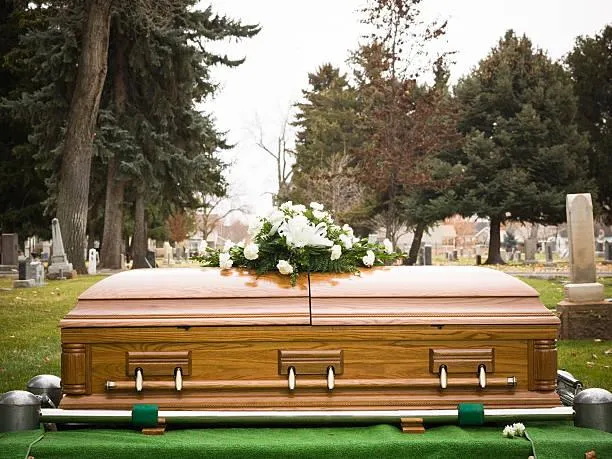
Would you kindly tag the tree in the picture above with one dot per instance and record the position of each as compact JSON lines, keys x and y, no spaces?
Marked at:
{"x":326,"y":141}
{"x":180,"y":226}
{"x":22,"y":187}
{"x":523,"y":152}
{"x":590,"y":63}
{"x":210,"y":213}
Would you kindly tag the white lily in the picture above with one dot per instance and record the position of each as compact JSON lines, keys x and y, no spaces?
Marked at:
{"x":299,"y":232}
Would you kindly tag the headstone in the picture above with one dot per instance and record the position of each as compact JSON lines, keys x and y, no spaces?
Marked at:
{"x":531,"y":246}
{"x":549,"y":252}
{"x":608,"y":252}
{"x":38,"y":271}
{"x":168,"y":255}
{"x":93,"y":261}
{"x":455,"y":255}
{"x":478,"y":260}
{"x":150,"y":258}
{"x":518,"y":256}
{"x":584,"y":314}
{"x":420,"y":258}
{"x":427,"y":254}
{"x":22,"y":269}
{"x":59,"y":267}
{"x":10,"y":249}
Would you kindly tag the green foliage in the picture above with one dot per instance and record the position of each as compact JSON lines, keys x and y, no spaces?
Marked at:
{"x":590,"y":63}
{"x":523,"y":151}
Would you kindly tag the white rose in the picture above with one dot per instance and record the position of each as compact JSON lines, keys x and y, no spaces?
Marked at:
{"x":228,"y":245}
{"x":284,"y":267}
{"x":286,"y":205}
{"x":348,"y":230}
{"x":369,"y":259}
{"x":316,"y":206}
{"x":251,"y":252}
{"x":225,"y":260}
{"x":299,"y":208}
{"x":336,"y":251}
{"x":319,"y":214}
{"x":388,"y":246}
{"x":255,"y":226}
{"x":519,"y":429}
{"x":508,"y":432}
{"x":347,"y":241}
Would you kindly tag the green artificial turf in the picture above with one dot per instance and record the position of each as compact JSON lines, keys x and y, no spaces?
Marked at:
{"x":552,"y":441}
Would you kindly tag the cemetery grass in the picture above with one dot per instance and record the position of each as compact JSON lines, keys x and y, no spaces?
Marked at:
{"x":30,"y":338}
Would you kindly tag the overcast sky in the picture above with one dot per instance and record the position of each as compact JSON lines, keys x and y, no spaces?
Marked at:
{"x":297,"y":36}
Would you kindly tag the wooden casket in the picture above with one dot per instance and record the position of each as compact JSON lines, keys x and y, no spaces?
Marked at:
{"x":391,"y":338}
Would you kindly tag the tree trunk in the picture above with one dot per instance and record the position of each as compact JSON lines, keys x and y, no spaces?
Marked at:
{"x":139,"y":241}
{"x":73,"y":187}
{"x":494,"y":257}
{"x":110,"y":252}
{"x":413,"y":253}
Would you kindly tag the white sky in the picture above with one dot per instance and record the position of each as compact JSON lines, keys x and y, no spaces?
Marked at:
{"x":299,"y":35}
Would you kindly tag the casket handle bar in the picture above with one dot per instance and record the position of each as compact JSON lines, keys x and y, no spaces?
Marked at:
{"x":329,"y":383}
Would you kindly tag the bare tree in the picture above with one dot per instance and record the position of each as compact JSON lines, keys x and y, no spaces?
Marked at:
{"x":282,"y":156}
{"x":209,"y":214}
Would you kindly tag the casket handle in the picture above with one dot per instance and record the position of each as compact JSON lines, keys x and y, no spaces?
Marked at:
{"x":139,"y":379}
{"x":178,"y":379}
{"x":331,"y":378}
{"x":482,"y":376}
{"x":443,"y":377}
{"x":291,"y":378}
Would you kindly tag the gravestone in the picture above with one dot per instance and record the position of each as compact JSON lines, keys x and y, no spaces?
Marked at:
{"x":168,"y":255}
{"x":31,"y":274}
{"x":420,"y":257}
{"x":10,"y":249}
{"x":427,"y":254}
{"x":607,"y":252}
{"x":584,"y":313}
{"x":549,"y":253}
{"x":455,"y":255}
{"x":518,"y":256}
{"x":531,"y":246}
{"x":93,"y":261}
{"x":478,"y":260}
{"x":59,"y":266}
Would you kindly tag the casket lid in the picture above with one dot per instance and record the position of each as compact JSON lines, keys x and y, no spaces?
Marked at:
{"x":431,"y":295}
{"x":189,"y":297}
{"x":398,"y":295}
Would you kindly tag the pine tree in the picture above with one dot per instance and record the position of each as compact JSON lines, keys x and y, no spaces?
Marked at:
{"x":590,"y":63}
{"x":523,"y":152}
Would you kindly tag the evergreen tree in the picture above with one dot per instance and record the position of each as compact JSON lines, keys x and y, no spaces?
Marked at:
{"x":590,"y":63}
{"x":523,"y":152}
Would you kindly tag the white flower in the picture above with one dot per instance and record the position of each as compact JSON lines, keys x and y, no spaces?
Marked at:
{"x":298,"y":208}
{"x":286,"y":205}
{"x":277,"y":217}
{"x":369,"y":259}
{"x":336,"y":251}
{"x":519,"y":429}
{"x":284,"y":267}
{"x":240,"y":244}
{"x":348,"y":230}
{"x":299,"y":232}
{"x":319,"y":214}
{"x":228,"y":245}
{"x":316,"y":206}
{"x":255,"y":226}
{"x":251,"y":252}
{"x":346,"y":240}
{"x":225,"y":260}
{"x":508,"y":432}
{"x":388,"y":246}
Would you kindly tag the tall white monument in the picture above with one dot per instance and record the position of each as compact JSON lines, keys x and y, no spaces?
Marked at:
{"x":59,"y":266}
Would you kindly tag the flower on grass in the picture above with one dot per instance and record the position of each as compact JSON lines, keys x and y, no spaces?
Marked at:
{"x":284,"y":267}
{"x":336,"y":251}
{"x":369,"y":258}
{"x":388,"y":246}
{"x":251,"y":252}
{"x":225,"y":260}
{"x":515,"y":430}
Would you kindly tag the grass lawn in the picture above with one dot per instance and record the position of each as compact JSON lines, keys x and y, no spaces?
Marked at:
{"x":551,"y":291}
{"x":30,"y":339}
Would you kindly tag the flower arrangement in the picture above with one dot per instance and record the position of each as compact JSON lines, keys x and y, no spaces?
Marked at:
{"x":295,"y":239}
{"x":515,"y":430}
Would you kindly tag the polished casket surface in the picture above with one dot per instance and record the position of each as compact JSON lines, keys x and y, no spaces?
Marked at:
{"x":391,"y":337}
